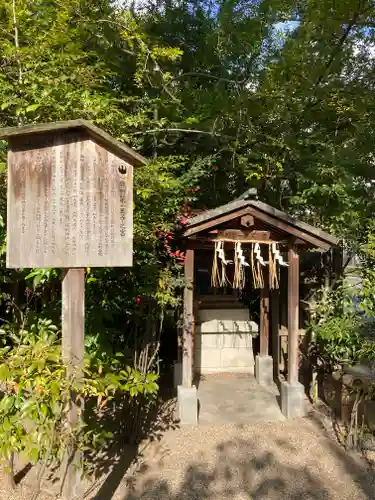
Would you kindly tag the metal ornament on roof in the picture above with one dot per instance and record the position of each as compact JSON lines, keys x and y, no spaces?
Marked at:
{"x":257,"y":253}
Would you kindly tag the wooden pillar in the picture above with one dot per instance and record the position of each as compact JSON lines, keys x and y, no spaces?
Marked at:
{"x":187,"y":335}
{"x":73,"y":348}
{"x":338,"y":266}
{"x":293,"y":314}
{"x":264,"y":317}
{"x":275,"y":328}
{"x":73,"y":317}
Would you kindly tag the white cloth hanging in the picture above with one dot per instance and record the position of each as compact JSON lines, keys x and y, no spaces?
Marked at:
{"x":278,"y":257}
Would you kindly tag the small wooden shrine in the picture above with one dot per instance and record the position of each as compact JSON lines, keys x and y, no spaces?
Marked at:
{"x":249,"y":240}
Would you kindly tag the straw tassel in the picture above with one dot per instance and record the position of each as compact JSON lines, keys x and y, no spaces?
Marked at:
{"x":219,"y":275}
{"x":255,"y":267}
{"x":239,"y":267}
{"x":272,"y":268}
{"x":215,"y":279}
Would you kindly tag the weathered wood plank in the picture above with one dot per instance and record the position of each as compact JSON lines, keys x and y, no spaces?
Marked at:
{"x":242,"y":235}
{"x":293,"y":314}
{"x":216,"y":222}
{"x":73,"y":317}
{"x":275,"y":338}
{"x":70,"y":204}
{"x":247,"y":220}
{"x":208,"y":243}
{"x":293,"y":231}
{"x":264,"y":316}
{"x":188,"y":323}
{"x":73,"y":332}
{"x":110,"y":143}
{"x":283,"y":332}
{"x":338,"y":266}
{"x":325,"y":238}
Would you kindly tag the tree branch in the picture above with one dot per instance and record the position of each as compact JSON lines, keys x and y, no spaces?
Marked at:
{"x":16,"y":41}
{"x":145,"y":47}
{"x":338,"y":47}
{"x":7,"y":33}
{"x":17,"y":45}
{"x":336,"y":50}
{"x":209,"y":75}
{"x":185,"y":130}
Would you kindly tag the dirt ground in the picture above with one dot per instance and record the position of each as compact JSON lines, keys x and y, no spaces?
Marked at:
{"x":291,"y":460}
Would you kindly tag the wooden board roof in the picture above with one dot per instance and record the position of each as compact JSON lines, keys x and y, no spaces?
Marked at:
{"x":116,"y":147}
{"x":271,"y":216}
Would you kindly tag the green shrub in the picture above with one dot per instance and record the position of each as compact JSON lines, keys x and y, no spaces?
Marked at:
{"x":38,"y":390}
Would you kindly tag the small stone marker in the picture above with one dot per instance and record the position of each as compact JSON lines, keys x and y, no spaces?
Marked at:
{"x":70,"y":205}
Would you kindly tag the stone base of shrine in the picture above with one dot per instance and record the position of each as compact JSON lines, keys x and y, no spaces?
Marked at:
{"x":224,"y":341}
{"x":293,"y":400}
{"x":264,"y":370}
{"x":187,"y":405}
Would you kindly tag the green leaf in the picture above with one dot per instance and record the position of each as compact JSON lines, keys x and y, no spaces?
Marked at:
{"x":4,"y":372}
{"x":44,"y":410}
{"x":6,"y":424}
{"x":34,"y":455}
{"x":32,"y":107}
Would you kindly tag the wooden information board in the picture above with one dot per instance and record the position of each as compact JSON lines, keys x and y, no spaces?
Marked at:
{"x":70,"y":203}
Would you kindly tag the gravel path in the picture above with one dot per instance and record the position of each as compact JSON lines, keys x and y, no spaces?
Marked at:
{"x":290,"y":460}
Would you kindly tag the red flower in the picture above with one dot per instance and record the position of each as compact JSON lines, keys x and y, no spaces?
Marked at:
{"x":138,"y":299}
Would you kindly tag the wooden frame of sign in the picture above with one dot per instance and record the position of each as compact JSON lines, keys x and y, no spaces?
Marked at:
{"x":70,"y":205}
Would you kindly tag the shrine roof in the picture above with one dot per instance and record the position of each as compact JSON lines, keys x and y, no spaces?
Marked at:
{"x":264,"y":213}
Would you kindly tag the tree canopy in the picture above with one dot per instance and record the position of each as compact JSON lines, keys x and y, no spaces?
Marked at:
{"x":276,"y":94}
{"x":220,"y":96}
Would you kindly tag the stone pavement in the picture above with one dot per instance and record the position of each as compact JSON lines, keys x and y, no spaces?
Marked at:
{"x":235,"y":399}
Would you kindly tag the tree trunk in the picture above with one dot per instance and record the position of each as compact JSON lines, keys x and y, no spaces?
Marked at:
{"x":8,"y":470}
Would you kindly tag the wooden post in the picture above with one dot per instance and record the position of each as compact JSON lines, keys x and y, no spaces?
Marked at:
{"x":52,"y":167}
{"x":338,"y":266}
{"x":275,"y":322}
{"x":293,"y":314}
{"x":264,"y":317}
{"x":73,"y":317}
{"x":73,"y":347}
{"x":187,"y":335}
